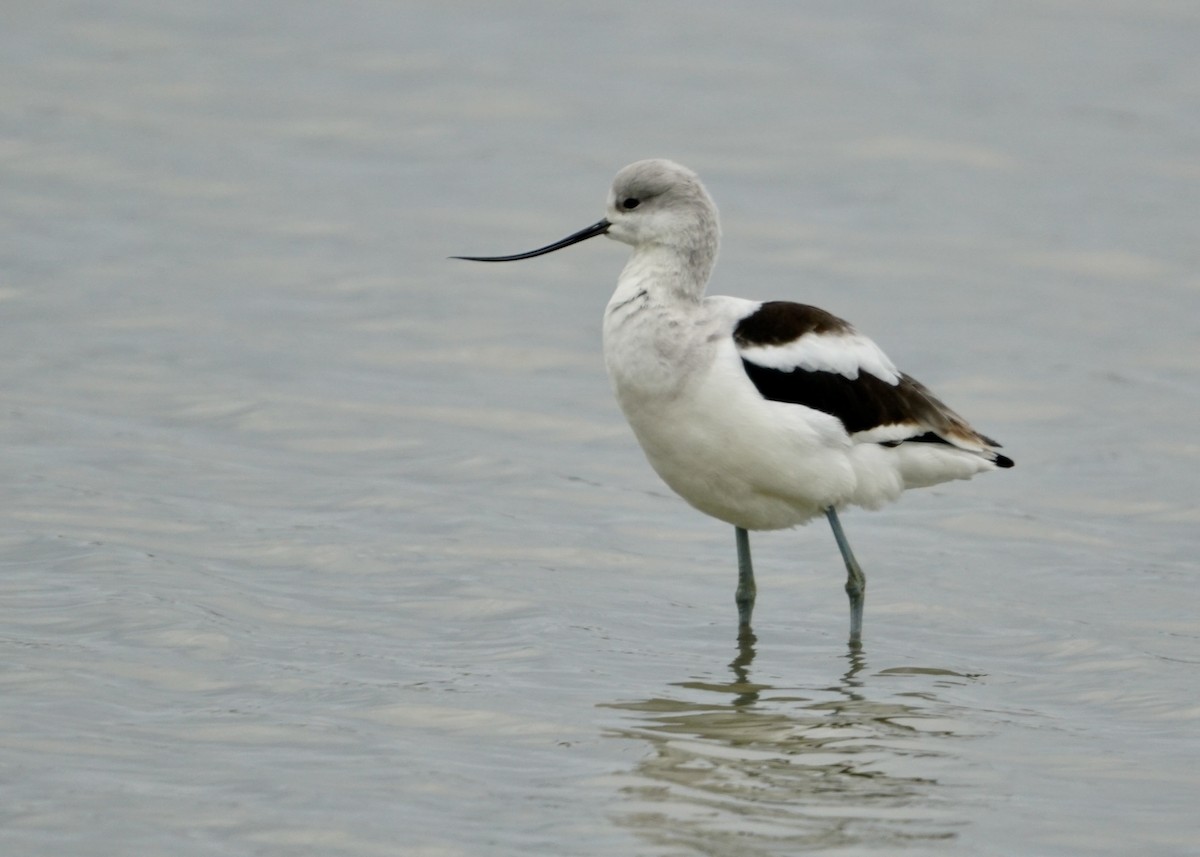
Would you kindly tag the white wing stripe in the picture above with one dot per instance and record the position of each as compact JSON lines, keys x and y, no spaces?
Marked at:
{"x":841,"y":353}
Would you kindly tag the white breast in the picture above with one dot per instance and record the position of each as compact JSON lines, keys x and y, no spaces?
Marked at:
{"x":705,"y":429}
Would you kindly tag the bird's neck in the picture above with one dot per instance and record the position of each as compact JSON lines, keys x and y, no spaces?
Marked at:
{"x":667,"y":274}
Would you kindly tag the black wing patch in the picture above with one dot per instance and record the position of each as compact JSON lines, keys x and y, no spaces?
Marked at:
{"x":781,"y":322}
{"x":867,"y":402}
{"x":860,"y":403}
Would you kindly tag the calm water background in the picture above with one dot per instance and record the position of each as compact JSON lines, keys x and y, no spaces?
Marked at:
{"x":315,"y":542}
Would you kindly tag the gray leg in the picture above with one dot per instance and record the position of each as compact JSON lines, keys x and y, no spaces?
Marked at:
{"x":746,"y":590}
{"x":856,"y":581}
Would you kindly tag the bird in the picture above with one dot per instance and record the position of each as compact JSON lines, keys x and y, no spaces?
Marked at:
{"x":761,"y":414}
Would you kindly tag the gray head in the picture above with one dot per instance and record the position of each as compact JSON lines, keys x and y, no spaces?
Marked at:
{"x":660,"y":202}
{"x":652,"y":204}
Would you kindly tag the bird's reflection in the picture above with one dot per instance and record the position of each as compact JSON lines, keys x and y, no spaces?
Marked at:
{"x":741,"y":767}
{"x":741,"y":667}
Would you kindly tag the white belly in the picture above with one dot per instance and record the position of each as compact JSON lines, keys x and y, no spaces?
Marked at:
{"x":713,"y":439}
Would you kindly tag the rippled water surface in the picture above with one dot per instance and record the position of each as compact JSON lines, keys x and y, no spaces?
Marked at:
{"x":316,"y":542}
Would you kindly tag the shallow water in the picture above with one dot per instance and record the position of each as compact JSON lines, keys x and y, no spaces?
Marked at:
{"x":316,"y":542}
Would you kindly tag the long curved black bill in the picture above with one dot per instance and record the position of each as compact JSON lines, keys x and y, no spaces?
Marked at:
{"x":582,"y":235}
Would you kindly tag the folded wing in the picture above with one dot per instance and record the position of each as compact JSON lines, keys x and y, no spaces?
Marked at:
{"x":806,"y":356}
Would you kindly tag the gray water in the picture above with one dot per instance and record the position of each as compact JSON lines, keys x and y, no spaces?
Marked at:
{"x":316,"y":542}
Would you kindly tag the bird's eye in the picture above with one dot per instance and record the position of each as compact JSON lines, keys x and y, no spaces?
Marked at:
{"x":630,"y":203}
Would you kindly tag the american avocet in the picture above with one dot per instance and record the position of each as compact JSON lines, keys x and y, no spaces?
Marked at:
{"x":761,"y":414}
